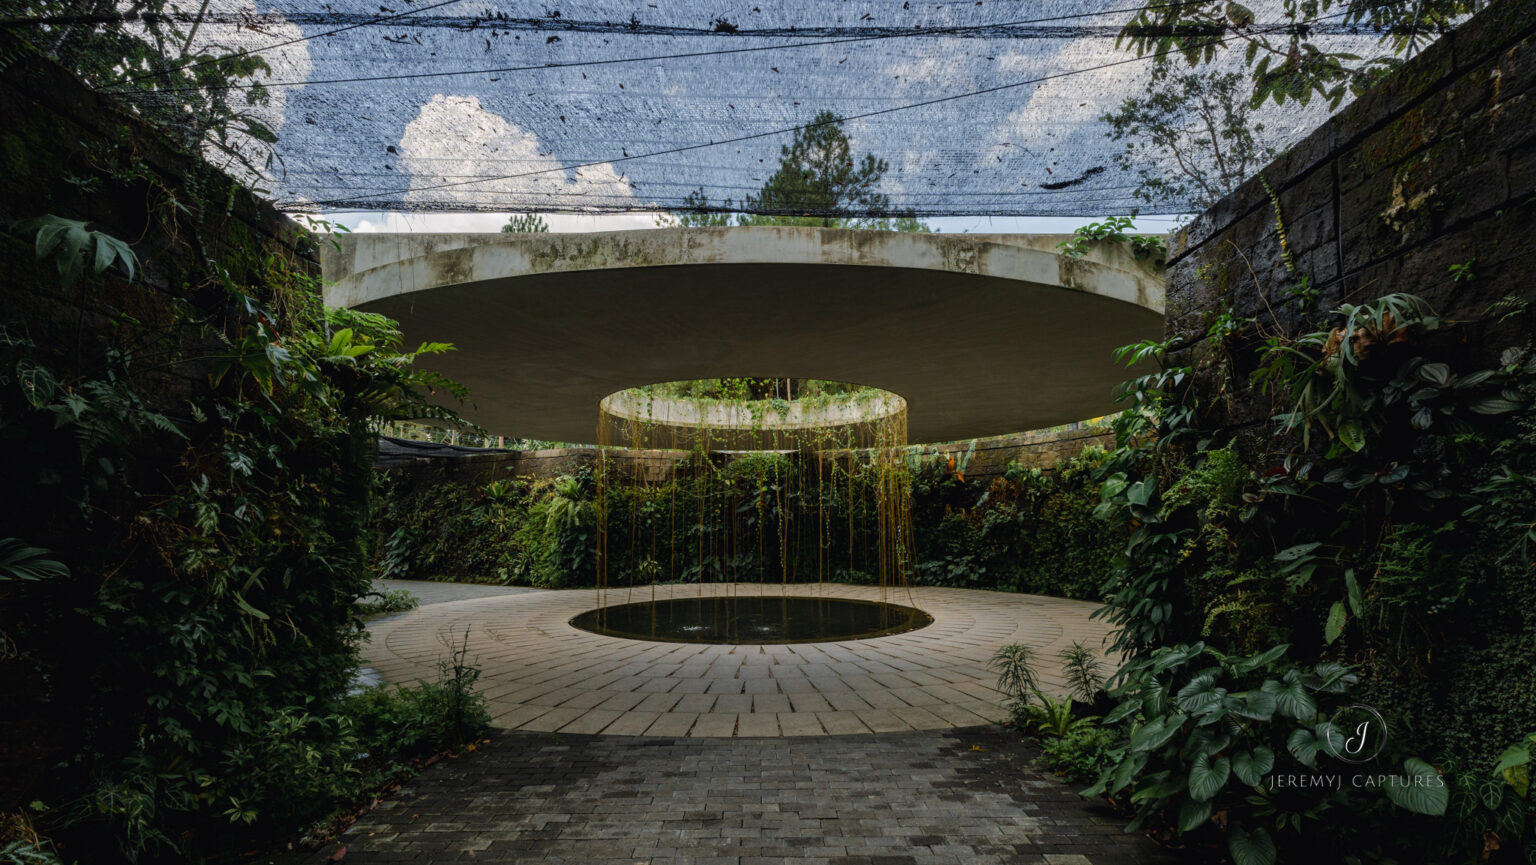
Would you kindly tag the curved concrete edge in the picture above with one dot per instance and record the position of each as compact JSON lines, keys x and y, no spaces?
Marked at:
{"x":364,"y":268}
{"x":690,"y":414}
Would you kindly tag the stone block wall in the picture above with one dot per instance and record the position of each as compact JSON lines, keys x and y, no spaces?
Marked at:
{"x":1434,"y":167}
{"x":69,"y":151}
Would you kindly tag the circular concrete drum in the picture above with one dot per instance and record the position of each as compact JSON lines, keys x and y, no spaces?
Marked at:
{"x":981,"y":334}
{"x":540,"y":673}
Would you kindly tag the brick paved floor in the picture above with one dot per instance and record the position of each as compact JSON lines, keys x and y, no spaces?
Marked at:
{"x":541,"y":674}
{"x":952,"y":797}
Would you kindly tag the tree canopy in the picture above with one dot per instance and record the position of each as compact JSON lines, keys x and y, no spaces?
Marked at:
{"x":525,"y":223}
{"x":818,"y":180}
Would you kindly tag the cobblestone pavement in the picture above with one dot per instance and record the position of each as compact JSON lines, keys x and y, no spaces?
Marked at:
{"x":954,"y":797}
{"x":541,"y":674}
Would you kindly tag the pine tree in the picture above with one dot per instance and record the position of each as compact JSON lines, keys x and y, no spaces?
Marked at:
{"x":529,"y":223}
{"x":818,"y":182}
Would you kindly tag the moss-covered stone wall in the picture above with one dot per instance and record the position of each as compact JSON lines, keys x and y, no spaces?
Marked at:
{"x":1433,"y":169}
{"x":69,"y":152}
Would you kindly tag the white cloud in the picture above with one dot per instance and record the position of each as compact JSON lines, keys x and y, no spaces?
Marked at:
{"x":454,"y":141}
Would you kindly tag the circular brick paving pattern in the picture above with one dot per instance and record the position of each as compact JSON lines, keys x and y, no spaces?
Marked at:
{"x":541,"y":674}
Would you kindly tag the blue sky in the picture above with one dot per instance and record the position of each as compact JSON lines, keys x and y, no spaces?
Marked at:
{"x":497,"y":106}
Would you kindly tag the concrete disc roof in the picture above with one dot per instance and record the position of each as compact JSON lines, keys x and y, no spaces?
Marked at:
{"x":981,"y":334}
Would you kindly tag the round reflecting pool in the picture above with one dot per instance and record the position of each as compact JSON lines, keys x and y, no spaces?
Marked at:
{"x":751,"y":620}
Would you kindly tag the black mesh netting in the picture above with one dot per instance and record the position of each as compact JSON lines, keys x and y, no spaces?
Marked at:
{"x":978,"y":107}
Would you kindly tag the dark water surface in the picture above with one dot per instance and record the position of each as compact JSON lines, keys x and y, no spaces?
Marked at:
{"x":752,"y":620}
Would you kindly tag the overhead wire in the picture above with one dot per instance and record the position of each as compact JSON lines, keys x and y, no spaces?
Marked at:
{"x":688,"y":55}
{"x":781,"y":131}
{"x":238,"y":54}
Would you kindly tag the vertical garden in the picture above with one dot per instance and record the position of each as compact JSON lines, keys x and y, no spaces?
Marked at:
{"x":189,"y":437}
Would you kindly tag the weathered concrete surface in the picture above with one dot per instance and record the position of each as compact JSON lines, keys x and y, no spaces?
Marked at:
{"x":981,"y":334}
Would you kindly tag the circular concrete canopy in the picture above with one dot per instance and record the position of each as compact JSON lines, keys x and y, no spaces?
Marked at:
{"x":981,"y":334}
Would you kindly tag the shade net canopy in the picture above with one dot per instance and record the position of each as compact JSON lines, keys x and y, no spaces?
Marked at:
{"x":988,"y":107}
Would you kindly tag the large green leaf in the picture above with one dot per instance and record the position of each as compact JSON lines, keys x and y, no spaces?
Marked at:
{"x":1303,"y":745}
{"x":71,"y":245}
{"x":1437,"y":374}
{"x":1255,"y":849}
{"x":1497,"y":404}
{"x":1122,"y":711}
{"x":1207,"y":777}
{"x":1126,"y":772}
{"x":1352,"y":435}
{"x":1352,"y":588}
{"x":1291,"y":554}
{"x":1515,"y":765}
{"x":1335,"y":625}
{"x":1330,"y":677}
{"x":1293,"y":701}
{"x":1192,"y":813}
{"x":1270,"y":655}
{"x":1156,"y":734}
{"x":1168,"y":658}
{"x":1421,"y":790}
{"x":1250,"y":768}
{"x":1257,"y":705}
{"x":1199,"y":695}
{"x":1141,"y":492}
{"x":28,"y":564}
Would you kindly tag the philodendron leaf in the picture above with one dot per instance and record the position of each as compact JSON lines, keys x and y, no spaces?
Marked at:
{"x":1157,"y":733}
{"x":1293,"y":701}
{"x":1268,"y":656}
{"x":1421,"y":790}
{"x":1255,"y":849}
{"x":71,"y":245}
{"x":1257,"y":705}
{"x":1192,"y":813}
{"x":1250,"y":768}
{"x":1207,"y":777}
{"x":1122,"y":711}
{"x":1303,"y":745}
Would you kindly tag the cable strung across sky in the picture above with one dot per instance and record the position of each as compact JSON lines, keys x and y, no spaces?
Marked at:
{"x":574,"y":107}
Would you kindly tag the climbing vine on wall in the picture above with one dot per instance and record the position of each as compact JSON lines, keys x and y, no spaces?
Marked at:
{"x":189,"y":441}
{"x":1347,"y":554}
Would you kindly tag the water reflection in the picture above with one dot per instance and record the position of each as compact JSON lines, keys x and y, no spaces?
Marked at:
{"x":752,"y":620}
